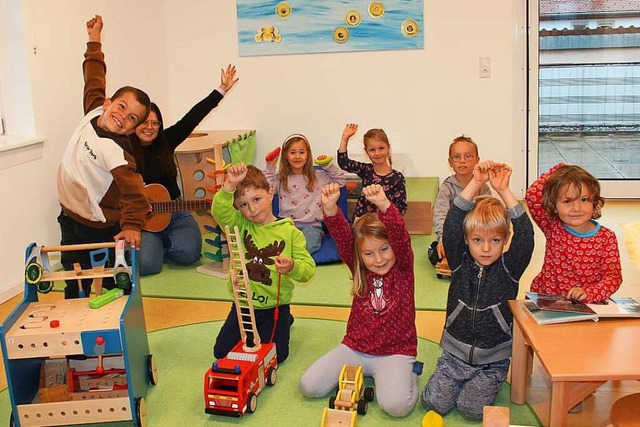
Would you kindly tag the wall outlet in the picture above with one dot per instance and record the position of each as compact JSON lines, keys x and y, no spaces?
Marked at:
{"x":484,"y":69}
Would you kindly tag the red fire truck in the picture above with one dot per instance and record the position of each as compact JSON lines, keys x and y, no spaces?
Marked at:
{"x":232,"y":384}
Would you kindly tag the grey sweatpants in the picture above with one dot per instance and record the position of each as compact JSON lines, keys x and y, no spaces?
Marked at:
{"x":469,"y":388}
{"x":396,"y":385}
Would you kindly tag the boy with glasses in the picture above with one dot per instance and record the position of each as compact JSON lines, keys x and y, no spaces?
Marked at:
{"x":463,"y":156}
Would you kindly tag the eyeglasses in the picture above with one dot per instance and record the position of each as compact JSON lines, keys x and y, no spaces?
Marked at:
{"x":467,"y":157}
{"x":154,"y":124}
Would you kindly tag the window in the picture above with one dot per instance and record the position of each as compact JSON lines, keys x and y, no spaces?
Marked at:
{"x":585,"y":91}
{"x":18,"y":122}
{"x":606,"y":23}
{"x":580,"y":25}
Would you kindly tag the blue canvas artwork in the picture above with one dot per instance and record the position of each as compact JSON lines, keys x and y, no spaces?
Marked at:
{"x":288,"y":27}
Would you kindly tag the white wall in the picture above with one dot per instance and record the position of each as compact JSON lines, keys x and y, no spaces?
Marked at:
{"x":422,"y":98}
{"x":175,"y":49}
{"x":57,"y":30}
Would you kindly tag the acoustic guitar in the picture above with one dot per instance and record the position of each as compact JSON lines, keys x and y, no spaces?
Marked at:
{"x":162,"y":207}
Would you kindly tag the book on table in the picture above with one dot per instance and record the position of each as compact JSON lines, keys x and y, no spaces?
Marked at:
{"x":547,"y":309}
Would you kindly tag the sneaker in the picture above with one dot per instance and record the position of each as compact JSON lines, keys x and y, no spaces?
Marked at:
{"x":432,"y":419}
{"x":576,"y":409}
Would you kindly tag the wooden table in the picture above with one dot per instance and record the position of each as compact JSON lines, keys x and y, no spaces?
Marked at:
{"x":578,"y":357}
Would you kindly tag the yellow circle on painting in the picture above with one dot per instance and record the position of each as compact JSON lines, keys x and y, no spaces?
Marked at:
{"x":341,"y":35}
{"x":410,"y":28}
{"x":353,"y":18}
{"x":376,"y":9}
{"x":283,"y":10}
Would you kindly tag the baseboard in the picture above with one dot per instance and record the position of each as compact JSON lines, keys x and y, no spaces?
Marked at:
{"x":15,"y":289}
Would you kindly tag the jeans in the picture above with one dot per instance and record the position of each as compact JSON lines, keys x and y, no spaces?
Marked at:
{"x":180,"y":242}
{"x":467,"y":387}
{"x":313,"y":235}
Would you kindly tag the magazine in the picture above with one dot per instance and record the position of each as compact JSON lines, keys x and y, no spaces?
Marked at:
{"x":558,"y":309}
{"x":546,"y":317}
{"x":558,"y":303}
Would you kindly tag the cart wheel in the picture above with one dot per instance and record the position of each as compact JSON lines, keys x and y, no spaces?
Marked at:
{"x":252,"y":403}
{"x":123,"y":281}
{"x":152,"y":369}
{"x":141,"y":412}
{"x":11,"y":422}
{"x":44,"y":287}
{"x":272,"y":376}
{"x":33,"y":273}
{"x":439,"y":276}
{"x":369,"y":394}
{"x":332,"y":402}
{"x":363,"y":405}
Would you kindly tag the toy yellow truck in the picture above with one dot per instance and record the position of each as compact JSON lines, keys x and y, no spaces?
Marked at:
{"x":352,"y":395}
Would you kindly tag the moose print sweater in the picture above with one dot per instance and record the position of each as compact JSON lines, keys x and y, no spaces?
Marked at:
{"x":262,"y":243}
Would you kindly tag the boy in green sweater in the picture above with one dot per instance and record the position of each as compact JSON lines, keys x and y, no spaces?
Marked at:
{"x":276,"y":256}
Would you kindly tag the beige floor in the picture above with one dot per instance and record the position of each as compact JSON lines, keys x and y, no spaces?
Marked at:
{"x":164,"y":313}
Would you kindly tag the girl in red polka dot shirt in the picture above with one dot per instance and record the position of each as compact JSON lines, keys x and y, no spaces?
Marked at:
{"x":581,"y":259}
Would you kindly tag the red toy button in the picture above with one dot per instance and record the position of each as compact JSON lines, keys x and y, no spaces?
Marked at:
{"x":54,"y":323}
{"x":99,"y":340}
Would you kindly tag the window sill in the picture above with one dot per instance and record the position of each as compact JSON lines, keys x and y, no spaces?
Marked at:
{"x":16,"y":150}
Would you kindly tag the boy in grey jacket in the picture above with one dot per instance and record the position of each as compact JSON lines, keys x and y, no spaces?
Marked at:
{"x":477,"y":336}
{"x":463,"y":156}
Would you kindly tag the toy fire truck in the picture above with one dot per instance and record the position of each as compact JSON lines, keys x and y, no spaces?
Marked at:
{"x":233,"y":383}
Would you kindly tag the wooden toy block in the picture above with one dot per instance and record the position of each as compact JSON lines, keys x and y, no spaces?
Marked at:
{"x":495,"y":416}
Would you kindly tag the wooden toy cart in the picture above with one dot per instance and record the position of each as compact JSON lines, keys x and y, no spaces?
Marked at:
{"x":37,"y":336}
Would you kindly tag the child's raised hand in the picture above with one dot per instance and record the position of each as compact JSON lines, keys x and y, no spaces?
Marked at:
{"x":227,"y":77}
{"x":499,"y":176}
{"x":94,"y":28}
{"x":283,"y":264}
{"x":273,"y":155}
{"x":481,"y":171}
{"x":236,"y":173}
{"x":330,"y":196}
{"x":349,"y":130}
{"x":323,"y":160}
{"x":376,"y":195}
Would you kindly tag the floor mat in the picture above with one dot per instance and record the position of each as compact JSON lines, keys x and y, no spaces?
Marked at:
{"x":184,"y":354}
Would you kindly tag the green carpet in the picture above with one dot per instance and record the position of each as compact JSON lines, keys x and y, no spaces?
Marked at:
{"x":329,"y":287}
{"x":184,"y":354}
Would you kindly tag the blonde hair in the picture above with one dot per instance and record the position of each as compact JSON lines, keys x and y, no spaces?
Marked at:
{"x":368,"y":225}
{"x":380,"y":135}
{"x":487,"y":215}
{"x":571,"y":176}
{"x":285,"y":167}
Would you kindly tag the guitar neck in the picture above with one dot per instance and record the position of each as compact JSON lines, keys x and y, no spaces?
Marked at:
{"x":180,"y":205}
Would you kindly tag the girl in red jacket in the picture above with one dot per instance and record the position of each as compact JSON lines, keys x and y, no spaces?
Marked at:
{"x":381,"y":332}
